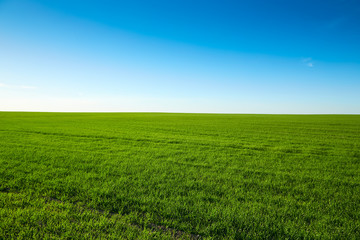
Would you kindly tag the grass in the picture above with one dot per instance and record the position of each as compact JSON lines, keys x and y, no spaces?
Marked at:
{"x":153,"y":175}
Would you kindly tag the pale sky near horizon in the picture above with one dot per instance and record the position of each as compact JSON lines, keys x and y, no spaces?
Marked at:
{"x":180,"y":56}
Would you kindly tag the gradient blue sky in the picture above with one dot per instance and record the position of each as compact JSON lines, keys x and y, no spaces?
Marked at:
{"x":296,"y":56}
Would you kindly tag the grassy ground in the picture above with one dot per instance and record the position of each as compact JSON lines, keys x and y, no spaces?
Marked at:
{"x":152,"y":175}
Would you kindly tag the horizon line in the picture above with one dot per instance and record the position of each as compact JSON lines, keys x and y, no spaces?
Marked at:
{"x":227,"y":113}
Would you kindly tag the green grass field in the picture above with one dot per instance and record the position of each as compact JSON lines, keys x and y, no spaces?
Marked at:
{"x":164,"y":176}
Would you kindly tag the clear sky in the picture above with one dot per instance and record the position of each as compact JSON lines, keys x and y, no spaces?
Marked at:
{"x":270,"y":56}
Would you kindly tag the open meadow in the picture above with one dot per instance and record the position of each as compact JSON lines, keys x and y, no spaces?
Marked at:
{"x":187,"y":176}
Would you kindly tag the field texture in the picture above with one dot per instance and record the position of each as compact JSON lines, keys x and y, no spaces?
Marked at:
{"x":160,"y":176}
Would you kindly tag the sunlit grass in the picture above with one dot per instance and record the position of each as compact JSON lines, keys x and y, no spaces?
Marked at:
{"x":150,"y":175}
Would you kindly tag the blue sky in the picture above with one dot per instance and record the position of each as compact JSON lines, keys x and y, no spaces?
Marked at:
{"x":180,"y":56}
